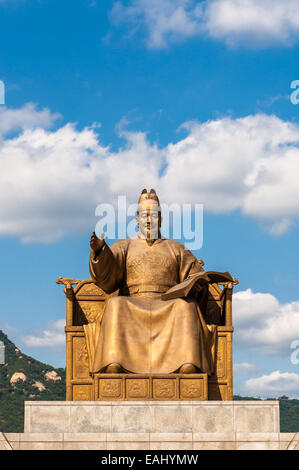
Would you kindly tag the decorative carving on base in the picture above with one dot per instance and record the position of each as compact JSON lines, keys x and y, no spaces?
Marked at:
{"x":165,"y":389}
{"x":82,"y":392}
{"x":191,"y":389}
{"x":150,"y":387}
{"x":110,"y":389}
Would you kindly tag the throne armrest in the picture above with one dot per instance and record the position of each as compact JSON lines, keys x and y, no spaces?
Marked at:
{"x":226,"y":298}
{"x":220,"y":298}
{"x":84,"y":301}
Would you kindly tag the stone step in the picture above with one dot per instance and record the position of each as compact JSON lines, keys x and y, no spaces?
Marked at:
{"x":150,"y":441}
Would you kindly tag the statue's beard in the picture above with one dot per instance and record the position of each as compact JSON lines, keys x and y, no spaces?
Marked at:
{"x":152,"y":234}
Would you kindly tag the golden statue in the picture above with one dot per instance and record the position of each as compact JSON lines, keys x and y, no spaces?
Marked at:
{"x":138,"y":332}
{"x":150,"y":323}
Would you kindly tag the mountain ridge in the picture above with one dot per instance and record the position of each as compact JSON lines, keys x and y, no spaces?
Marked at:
{"x":24,"y":378}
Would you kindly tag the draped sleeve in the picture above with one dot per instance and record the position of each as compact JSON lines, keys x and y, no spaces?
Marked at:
{"x":188,"y":263}
{"x":107,"y":267}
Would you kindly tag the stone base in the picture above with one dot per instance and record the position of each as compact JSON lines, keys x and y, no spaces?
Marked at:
{"x":148,"y":441}
{"x":204,"y":417}
{"x":150,"y":387}
{"x":151,"y":425}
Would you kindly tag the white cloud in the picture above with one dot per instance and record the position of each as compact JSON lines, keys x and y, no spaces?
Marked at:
{"x":26,"y":117}
{"x":52,"y":337}
{"x":9,"y":330}
{"x":51,"y":180}
{"x":253,"y":21}
{"x":232,"y":21}
{"x":249,"y":164}
{"x":165,"y":22}
{"x":245,"y":368}
{"x":273,"y":385}
{"x":263,"y":324}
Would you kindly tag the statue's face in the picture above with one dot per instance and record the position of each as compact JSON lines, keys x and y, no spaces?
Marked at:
{"x":149,"y":219}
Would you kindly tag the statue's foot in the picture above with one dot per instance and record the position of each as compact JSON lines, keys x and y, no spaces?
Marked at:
{"x":188,"y":369}
{"x":114,"y":369}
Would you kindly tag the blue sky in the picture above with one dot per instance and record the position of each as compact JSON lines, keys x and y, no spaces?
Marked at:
{"x":191,"y":98}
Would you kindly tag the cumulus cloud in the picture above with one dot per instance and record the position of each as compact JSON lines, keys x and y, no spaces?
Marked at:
{"x":245,"y":368}
{"x":52,"y":337}
{"x":253,"y":21}
{"x":232,"y":21}
{"x":52,"y":178}
{"x":26,"y":117}
{"x":273,"y":385}
{"x":249,"y":164}
{"x":52,"y":181}
{"x":263,"y":324}
{"x":164,"y":22}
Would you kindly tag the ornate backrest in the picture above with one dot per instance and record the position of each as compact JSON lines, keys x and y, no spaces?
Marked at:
{"x":86,"y":301}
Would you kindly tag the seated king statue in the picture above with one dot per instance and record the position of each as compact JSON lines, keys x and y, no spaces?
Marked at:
{"x":139,"y":332}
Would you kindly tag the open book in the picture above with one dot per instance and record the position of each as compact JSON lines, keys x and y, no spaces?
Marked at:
{"x":183,"y":289}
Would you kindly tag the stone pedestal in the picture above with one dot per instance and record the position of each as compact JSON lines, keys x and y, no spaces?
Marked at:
{"x":152,"y":425}
{"x":215,"y":418}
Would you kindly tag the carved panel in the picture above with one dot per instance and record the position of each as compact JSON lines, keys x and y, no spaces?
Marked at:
{"x":110,"y":389}
{"x":164,"y":389}
{"x":192,"y":388}
{"x":89,"y":289}
{"x":151,"y":387}
{"x":80,"y":358}
{"x":221,"y":356}
{"x":82,"y":392}
{"x":91,"y":309}
{"x":137,"y":388}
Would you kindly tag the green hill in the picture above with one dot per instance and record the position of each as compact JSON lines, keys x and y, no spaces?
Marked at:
{"x":24,"y":378}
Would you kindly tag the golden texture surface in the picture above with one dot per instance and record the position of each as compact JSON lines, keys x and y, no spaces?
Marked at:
{"x":118,"y":322}
{"x":138,"y":330}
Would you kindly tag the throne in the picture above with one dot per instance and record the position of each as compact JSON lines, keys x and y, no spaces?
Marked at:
{"x":85,"y":302}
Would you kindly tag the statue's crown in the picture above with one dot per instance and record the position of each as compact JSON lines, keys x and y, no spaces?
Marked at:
{"x":148,"y":195}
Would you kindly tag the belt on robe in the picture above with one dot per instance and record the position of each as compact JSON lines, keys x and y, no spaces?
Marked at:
{"x":139,"y":288}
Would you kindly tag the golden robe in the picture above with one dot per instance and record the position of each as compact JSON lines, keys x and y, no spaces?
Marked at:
{"x":137,"y":329}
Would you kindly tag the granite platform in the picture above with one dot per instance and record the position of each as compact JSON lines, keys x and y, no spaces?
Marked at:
{"x":151,"y":425}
